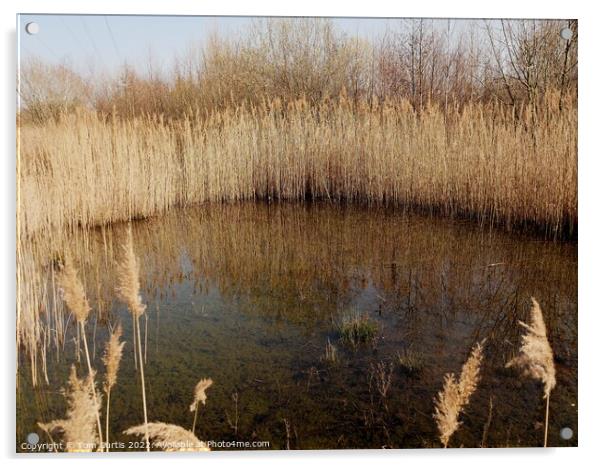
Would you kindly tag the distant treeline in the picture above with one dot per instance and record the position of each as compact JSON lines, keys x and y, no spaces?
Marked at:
{"x":424,"y":62}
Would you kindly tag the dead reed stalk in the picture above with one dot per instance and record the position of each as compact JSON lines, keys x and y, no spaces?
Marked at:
{"x":199,"y":397}
{"x":111,"y":359}
{"x":536,"y":357}
{"x":170,"y":438}
{"x":129,"y":292}
{"x":75,"y":298}
{"x":78,"y":429}
{"x":455,"y":395}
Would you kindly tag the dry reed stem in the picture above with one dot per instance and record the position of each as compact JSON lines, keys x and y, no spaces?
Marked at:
{"x":128,"y":290}
{"x":76,"y":300}
{"x":536,"y":358}
{"x":79,"y":431}
{"x":199,"y":397}
{"x":111,"y":359}
{"x":170,"y":438}
{"x":73,"y":290}
{"x":455,"y":395}
{"x":479,"y":162}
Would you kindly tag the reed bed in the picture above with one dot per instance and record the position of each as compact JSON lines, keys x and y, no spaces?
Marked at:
{"x":497,"y":164}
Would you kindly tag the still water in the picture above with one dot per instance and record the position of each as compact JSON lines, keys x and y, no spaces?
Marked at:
{"x":251,"y":294}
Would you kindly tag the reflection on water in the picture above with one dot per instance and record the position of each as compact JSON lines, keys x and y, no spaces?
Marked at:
{"x":250,"y":294}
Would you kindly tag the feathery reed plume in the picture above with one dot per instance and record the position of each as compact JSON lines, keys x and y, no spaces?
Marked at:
{"x":199,"y":396}
{"x":455,"y":395}
{"x":78,"y":430}
{"x":111,"y":359}
{"x":76,"y":300}
{"x":73,"y":290}
{"x":128,"y":290}
{"x":536,"y":357}
{"x":170,"y":438}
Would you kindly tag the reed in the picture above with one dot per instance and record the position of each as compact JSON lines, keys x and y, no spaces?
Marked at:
{"x":536,"y":357}
{"x":129,"y":292}
{"x":76,"y":300}
{"x":79,"y":430}
{"x":170,"y":438}
{"x":111,"y":359}
{"x":452,"y":400}
{"x":200,"y":396}
{"x":480,"y":161}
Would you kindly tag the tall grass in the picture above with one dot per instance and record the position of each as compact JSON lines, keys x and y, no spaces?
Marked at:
{"x":128,"y":290}
{"x":536,"y":357}
{"x":111,"y":359}
{"x":79,"y":431}
{"x":453,"y":399}
{"x":479,"y":162}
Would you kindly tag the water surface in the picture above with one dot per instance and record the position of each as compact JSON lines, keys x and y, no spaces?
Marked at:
{"x":251,"y":294}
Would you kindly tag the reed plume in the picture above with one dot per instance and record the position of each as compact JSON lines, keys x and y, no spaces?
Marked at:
{"x":128,"y":290}
{"x":199,"y":396}
{"x":74,"y":296}
{"x":170,"y":438}
{"x":536,"y":357}
{"x":78,"y":429}
{"x":455,"y":395}
{"x":111,"y":359}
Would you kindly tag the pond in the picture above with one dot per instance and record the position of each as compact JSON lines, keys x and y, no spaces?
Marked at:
{"x":254,"y":296}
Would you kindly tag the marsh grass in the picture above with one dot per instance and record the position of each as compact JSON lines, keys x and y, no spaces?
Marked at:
{"x":169,"y":438}
{"x":76,"y":300}
{"x":453,"y":399}
{"x":479,"y":162}
{"x":128,"y":291}
{"x":111,"y":359}
{"x":200,"y":397}
{"x":536,"y":358}
{"x":330,"y":353}
{"x":410,"y":361}
{"x":356,"y":329}
{"x":78,"y":430}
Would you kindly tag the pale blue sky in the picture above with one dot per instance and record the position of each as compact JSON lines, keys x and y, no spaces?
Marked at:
{"x":97,"y":43}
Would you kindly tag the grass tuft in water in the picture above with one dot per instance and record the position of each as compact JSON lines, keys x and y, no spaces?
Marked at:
{"x":410,"y":361}
{"x":357,"y":329}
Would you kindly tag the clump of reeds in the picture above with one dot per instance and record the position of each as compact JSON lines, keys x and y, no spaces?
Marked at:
{"x":76,"y":300}
{"x":200,"y":396}
{"x":129,"y":291}
{"x":455,"y":395}
{"x":330,"y":355}
{"x":78,"y":429}
{"x":357,"y":329}
{"x":536,"y":357}
{"x":168,"y":437}
{"x":111,"y":359}
{"x":410,"y":361}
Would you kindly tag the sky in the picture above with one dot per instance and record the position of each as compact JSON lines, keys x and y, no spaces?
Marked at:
{"x":96,"y":43}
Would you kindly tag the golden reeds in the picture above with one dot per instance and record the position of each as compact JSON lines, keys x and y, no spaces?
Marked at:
{"x":111,"y":359}
{"x":128,"y":290}
{"x":479,"y":161}
{"x":75,"y":298}
{"x":536,"y":357}
{"x":168,"y":437}
{"x":455,"y":395}
{"x":199,"y":397}
{"x":79,"y":431}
